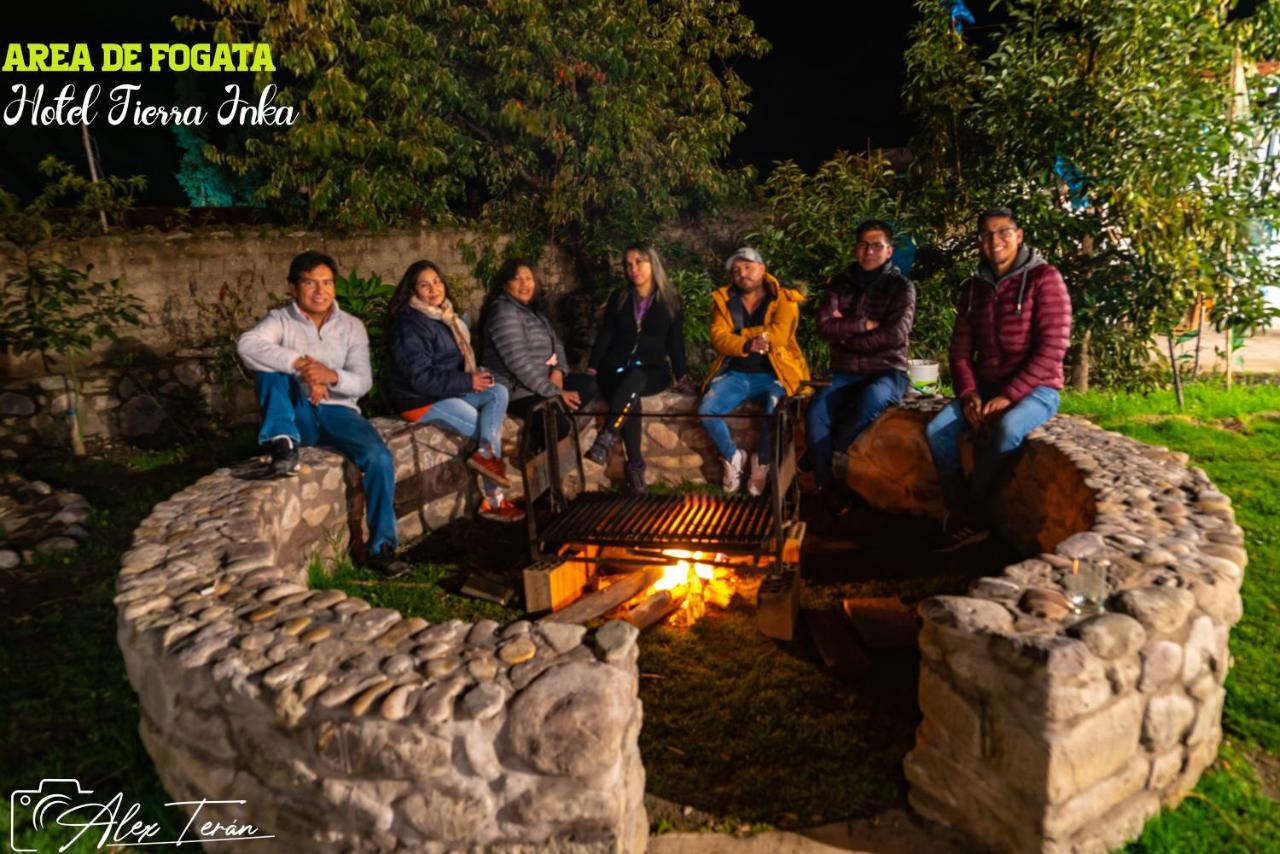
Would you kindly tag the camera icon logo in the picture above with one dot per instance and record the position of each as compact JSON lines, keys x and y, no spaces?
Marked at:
{"x":45,"y":802}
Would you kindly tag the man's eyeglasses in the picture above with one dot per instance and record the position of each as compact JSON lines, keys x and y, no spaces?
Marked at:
{"x":873,"y":247}
{"x":1002,"y":233}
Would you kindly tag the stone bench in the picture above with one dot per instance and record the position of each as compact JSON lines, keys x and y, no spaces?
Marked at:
{"x":349,"y":727}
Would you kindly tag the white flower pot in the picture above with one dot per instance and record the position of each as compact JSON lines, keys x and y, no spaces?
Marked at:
{"x":923,"y":373}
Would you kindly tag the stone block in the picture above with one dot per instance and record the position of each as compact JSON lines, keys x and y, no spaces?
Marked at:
{"x":1208,"y":718}
{"x":1161,"y":609}
{"x":958,"y":795}
{"x":967,"y":614}
{"x":1199,"y":757}
{"x":1117,"y":826}
{"x":570,"y":720}
{"x":1064,"y":819}
{"x":1220,"y":599}
{"x":1056,"y":761}
{"x":1235,"y":554}
{"x":953,"y":718}
{"x":1161,"y":662}
{"x":1167,"y":720}
{"x":1110,"y":636}
{"x":1165,"y":769}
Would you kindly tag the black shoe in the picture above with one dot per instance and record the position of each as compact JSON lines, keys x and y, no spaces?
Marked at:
{"x":284,"y":457}
{"x":960,"y":533}
{"x":598,"y":453}
{"x":635,"y":478}
{"x":386,"y":562}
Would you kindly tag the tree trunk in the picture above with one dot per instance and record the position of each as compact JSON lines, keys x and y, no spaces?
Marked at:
{"x":1177,"y":373}
{"x":1080,"y":370}
{"x":1195,"y":365}
{"x":73,"y":412}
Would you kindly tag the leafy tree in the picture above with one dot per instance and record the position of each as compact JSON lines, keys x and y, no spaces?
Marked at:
{"x":47,"y":307}
{"x":587,"y":123}
{"x":69,"y":205}
{"x":206,"y":183}
{"x":809,"y":236}
{"x":1106,"y":125}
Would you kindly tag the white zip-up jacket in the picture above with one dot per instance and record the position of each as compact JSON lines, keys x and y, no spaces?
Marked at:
{"x":341,"y":344}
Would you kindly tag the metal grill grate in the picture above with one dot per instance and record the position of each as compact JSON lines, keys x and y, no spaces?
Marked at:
{"x":724,"y":522}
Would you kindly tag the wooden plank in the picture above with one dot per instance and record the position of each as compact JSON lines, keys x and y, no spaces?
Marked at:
{"x":654,"y":610}
{"x":601,"y":602}
{"x":882,"y":622}
{"x":777,"y":604}
{"x":833,"y":638}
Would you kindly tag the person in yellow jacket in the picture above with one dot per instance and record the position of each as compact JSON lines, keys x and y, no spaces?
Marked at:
{"x":753,"y":329}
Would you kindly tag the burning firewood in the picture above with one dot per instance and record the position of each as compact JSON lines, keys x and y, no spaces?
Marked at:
{"x":601,"y":602}
{"x":654,"y":610}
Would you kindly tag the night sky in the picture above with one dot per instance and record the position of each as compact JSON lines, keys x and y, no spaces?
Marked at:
{"x":823,"y":87}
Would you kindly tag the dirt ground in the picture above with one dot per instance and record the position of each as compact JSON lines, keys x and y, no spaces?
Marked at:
{"x":1260,"y":353}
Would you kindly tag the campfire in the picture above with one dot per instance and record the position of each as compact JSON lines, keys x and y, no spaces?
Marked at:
{"x":685,"y":589}
{"x":646,"y":587}
{"x":652,"y":558}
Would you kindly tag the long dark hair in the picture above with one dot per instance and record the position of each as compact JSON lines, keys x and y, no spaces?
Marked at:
{"x":668,"y":296}
{"x":409,"y":285}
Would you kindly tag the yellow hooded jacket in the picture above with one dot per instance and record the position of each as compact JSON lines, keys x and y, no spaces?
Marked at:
{"x":781,"y":319}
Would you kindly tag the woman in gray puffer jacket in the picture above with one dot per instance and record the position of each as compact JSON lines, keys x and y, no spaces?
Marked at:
{"x":521,"y":348}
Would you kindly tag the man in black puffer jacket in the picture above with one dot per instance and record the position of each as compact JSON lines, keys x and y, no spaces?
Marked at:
{"x":865,"y":316}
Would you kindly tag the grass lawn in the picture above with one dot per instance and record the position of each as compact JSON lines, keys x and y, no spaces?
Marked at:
{"x":67,"y":709}
{"x":751,"y":731}
{"x":1235,"y":437}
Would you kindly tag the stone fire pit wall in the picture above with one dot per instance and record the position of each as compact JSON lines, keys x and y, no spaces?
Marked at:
{"x":1044,"y":730}
{"x":350,"y":727}
{"x":345,"y":727}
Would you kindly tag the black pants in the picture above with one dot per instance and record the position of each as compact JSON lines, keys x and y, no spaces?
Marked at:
{"x":626,"y":388}
{"x":583,"y":384}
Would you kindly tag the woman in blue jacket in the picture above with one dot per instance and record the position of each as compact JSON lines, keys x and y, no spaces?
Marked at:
{"x":435,"y":379}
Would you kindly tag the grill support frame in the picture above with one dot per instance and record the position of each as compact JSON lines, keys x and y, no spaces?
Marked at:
{"x":573,"y":520}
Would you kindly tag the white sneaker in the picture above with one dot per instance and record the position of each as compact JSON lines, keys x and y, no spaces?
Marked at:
{"x":758,"y":481}
{"x":733,"y":470}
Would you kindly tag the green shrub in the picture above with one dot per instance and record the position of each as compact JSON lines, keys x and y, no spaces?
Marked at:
{"x":367,"y":298}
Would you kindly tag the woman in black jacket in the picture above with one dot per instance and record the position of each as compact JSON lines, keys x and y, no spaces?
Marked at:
{"x":639,"y":350}
{"x":435,"y":380}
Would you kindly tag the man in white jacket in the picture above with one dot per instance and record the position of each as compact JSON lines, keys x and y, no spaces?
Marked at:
{"x":311,"y":364}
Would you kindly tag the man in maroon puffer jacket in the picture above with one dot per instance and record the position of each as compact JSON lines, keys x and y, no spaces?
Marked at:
{"x":1013,"y":325}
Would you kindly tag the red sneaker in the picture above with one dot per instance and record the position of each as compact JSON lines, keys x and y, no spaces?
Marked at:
{"x":506,"y":511}
{"x":489,"y":467}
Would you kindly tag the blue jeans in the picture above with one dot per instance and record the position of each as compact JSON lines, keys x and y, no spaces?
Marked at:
{"x":476,"y":415}
{"x":286,"y":411}
{"x":728,"y":391}
{"x":991,"y":450}
{"x":870,"y":394}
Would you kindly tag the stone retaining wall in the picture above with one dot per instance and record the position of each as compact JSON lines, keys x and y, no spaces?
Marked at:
{"x":1045,"y":730}
{"x":145,"y":385}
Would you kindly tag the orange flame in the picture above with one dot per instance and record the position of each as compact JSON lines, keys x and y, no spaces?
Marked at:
{"x":697,"y":582}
